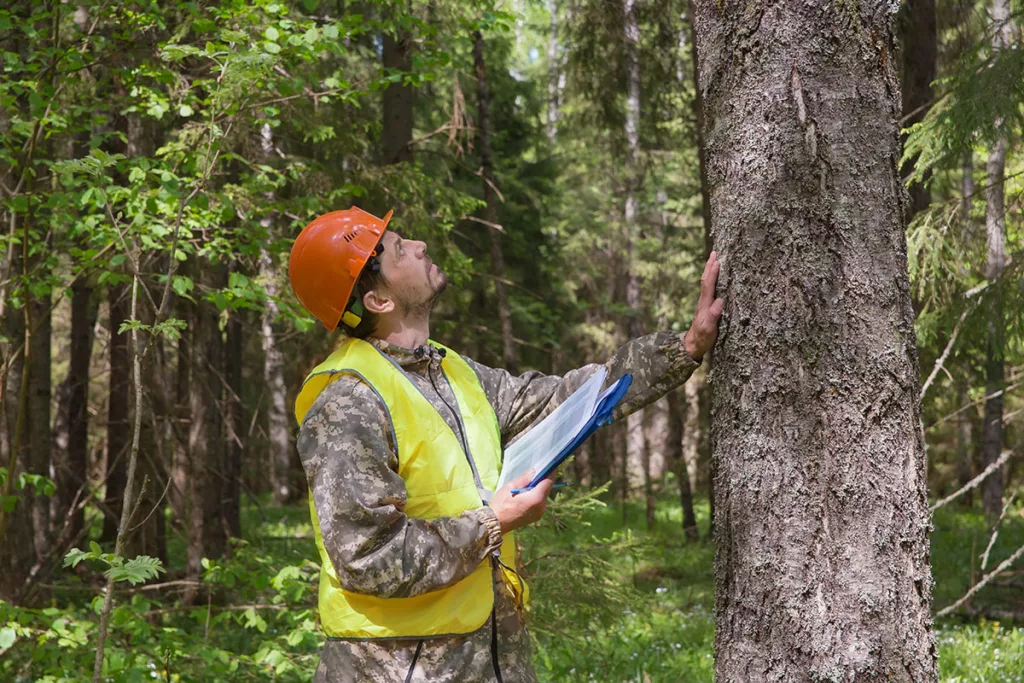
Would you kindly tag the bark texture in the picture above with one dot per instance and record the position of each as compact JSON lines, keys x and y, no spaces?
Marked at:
{"x":821,"y":519}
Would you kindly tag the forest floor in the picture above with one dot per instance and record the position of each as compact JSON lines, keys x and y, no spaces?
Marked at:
{"x":664,"y":630}
{"x":668,"y":636}
{"x":611,"y":601}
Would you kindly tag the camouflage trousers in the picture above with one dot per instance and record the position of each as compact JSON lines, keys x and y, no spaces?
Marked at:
{"x":460,"y":659}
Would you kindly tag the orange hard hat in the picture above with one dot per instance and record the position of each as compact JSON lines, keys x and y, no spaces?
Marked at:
{"x":327,"y":258}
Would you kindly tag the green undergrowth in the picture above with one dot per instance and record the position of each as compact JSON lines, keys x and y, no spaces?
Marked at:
{"x":612,"y":601}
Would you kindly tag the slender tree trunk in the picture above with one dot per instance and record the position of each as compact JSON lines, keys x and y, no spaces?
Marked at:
{"x":398,"y":99}
{"x":821,"y":522}
{"x":996,"y":262}
{"x":273,"y":367}
{"x":656,"y":434}
{"x":206,"y":537}
{"x":17,"y":537}
{"x":554,"y":67}
{"x":273,"y":376}
{"x":234,"y":413}
{"x":509,"y":354}
{"x":40,"y":436}
{"x":72,"y":424}
{"x":179,"y":470}
{"x":676,"y":456}
{"x":920,"y":47}
{"x":636,"y":458}
{"x":964,"y":461}
{"x":693,"y":427}
{"x":118,"y":426}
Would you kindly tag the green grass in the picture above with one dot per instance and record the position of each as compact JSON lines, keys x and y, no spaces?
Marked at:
{"x":667,"y":631}
{"x":611,"y":602}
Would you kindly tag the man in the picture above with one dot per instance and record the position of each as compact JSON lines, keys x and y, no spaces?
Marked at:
{"x":401,"y":440}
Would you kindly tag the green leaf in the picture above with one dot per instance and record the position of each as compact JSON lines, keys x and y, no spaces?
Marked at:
{"x":271,"y":48}
{"x":271,"y":34}
{"x":95,"y":548}
{"x":7,"y":637}
{"x":185,"y":110}
{"x":75,"y":556}
{"x":330,"y":31}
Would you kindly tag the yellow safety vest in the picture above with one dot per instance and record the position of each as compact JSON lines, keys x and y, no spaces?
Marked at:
{"x":439,"y":482}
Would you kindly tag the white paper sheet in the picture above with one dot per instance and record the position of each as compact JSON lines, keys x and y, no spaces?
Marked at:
{"x":546,"y":439}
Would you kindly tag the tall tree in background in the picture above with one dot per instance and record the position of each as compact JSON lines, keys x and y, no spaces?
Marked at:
{"x":996,"y":261}
{"x":118,"y":425}
{"x":398,"y":97}
{"x":920,"y":45}
{"x":509,"y":355}
{"x":821,"y":521}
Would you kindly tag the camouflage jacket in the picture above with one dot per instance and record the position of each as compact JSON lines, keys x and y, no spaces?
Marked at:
{"x":351,"y":464}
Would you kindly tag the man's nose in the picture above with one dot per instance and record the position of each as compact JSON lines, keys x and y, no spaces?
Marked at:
{"x":421,"y":249}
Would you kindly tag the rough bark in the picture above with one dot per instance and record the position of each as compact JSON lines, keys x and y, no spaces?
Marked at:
{"x":698,"y":133}
{"x":676,"y":419}
{"x":118,"y":426}
{"x":821,"y":522}
{"x":920,"y":47}
{"x":71,"y":431}
{"x":509,"y":353}
{"x":397,"y":99}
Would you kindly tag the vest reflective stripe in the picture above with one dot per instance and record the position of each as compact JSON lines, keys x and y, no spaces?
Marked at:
{"x":439,"y":482}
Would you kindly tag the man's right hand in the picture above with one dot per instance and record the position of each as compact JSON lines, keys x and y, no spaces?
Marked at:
{"x":523,"y":508}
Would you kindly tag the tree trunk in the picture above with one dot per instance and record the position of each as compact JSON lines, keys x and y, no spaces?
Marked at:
{"x":273,"y":376}
{"x":554,"y":67}
{"x":996,"y":262}
{"x":821,"y":521}
{"x":234,"y":414}
{"x":118,"y":425}
{"x":398,"y":99}
{"x":72,"y":424}
{"x":920,"y":47}
{"x":206,"y":537}
{"x":179,"y":470}
{"x":676,"y":456}
{"x":693,"y":427}
{"x":964,"y":462}
{"x":40,"y":436}
{"x":16,"y":532}
{"x":509,"y":354}
{"x":698,"y":133}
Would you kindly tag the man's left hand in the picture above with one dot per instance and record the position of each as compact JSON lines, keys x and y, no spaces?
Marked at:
{"x":704,"y":328}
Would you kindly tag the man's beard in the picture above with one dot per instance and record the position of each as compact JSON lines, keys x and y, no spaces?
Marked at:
{"x":423,"y":307}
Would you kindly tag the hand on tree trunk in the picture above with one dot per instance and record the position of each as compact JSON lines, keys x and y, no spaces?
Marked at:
{"x":704,"y":329}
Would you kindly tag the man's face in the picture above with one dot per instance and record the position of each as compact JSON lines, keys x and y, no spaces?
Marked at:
{"x":413,"y":281}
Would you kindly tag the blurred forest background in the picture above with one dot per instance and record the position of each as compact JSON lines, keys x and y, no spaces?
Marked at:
{"x":157,"y":160}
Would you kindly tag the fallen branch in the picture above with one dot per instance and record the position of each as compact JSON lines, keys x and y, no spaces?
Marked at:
{"x":974,"y":482}
{"x":981,"y":584}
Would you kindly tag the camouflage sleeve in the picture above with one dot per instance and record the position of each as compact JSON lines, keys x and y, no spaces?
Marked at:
{"x":351,"y":464}
{"x":658,"y":362}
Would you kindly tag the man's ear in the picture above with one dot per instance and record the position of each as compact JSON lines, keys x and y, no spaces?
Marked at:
{"x":378,"y":303}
